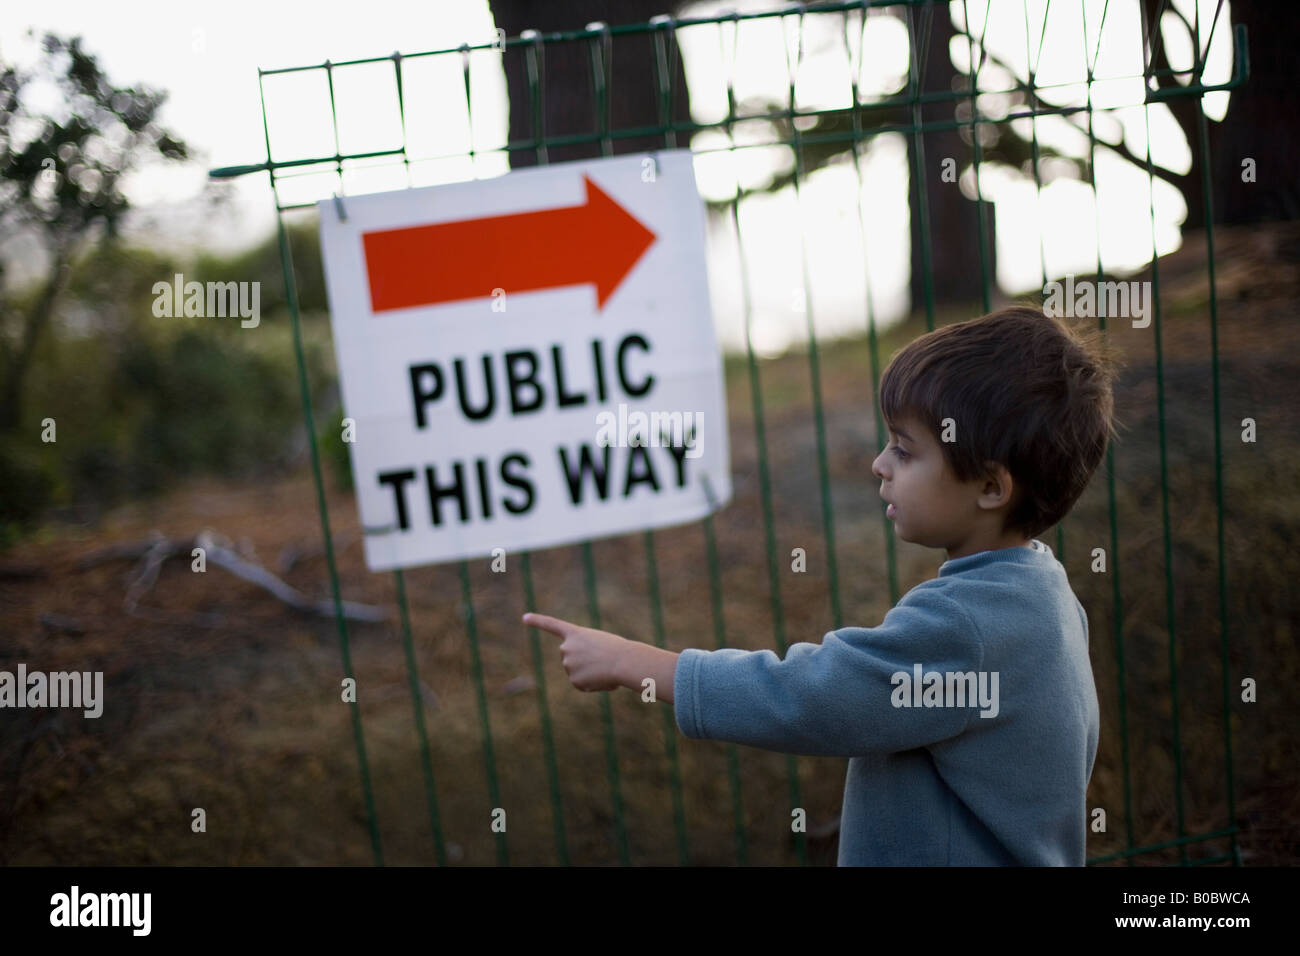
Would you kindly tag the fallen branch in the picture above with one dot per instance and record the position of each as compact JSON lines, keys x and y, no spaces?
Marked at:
{"x":256,"y":574}
{"x":147,"y":576}
{"x":154,"y":551}
{"x":115,"y":552}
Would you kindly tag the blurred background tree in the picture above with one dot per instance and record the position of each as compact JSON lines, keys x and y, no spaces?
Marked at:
{"x":138,"y":402}
{"x":59,"y":176}
{"x":1262,"y":121}
{"x":570,"y":107}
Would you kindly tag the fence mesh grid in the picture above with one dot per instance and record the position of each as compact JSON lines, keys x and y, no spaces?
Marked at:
{"x":601,"y":43}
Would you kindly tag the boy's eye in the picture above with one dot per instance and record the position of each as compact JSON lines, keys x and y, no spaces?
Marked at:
{"x":902,"y":455}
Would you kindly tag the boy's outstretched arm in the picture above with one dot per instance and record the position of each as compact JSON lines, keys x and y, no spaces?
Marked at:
{"x":599,"y":660}
{"x":850,"y":695}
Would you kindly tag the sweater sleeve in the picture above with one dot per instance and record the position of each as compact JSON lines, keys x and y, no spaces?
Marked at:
{"x":834,"y":699}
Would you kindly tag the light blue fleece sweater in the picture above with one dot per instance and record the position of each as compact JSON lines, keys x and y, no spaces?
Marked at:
{"x":931,"y":785}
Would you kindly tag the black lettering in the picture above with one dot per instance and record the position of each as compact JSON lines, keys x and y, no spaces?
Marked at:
{"x":632,"y":339}
{"x":484,"y":499}
{"x":647,"y":472}
{"x":471,"y":413}
{"x":564,"y":397}
{"x":437,"y":493}
{"x":517,"y":481}
{"x":530,"y":379}
{"x":586,"y":464}
{"x":398,"y":480}
{"x":422,"y":396}
{"x":679,"y":455}
{"x":600,"y":369}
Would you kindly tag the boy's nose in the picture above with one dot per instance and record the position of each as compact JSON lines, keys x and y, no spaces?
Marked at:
{"x":876,"y":466}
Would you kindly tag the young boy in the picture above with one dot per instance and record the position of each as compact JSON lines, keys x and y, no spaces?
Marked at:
{"x":969,"y":714}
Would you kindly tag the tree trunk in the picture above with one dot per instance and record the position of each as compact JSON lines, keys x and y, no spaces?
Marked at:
{"x":568,"y":90}
{"x":37,"y":318}
{"x":954,"y":249}
{"x":1261,"y":123}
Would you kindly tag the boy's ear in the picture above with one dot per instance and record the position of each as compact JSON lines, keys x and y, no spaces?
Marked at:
{"x":998,"y":488}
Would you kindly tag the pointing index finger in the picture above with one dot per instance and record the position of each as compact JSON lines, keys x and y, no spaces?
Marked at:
{"x":552,"y":624}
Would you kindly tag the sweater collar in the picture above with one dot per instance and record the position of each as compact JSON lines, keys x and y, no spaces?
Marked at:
{"x":1035,"y":553}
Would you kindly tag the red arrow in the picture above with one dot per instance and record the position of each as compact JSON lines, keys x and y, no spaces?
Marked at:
{"x":598,"y":241}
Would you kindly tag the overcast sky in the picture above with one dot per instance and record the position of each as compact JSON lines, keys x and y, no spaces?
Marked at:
{"x":207,"y":56}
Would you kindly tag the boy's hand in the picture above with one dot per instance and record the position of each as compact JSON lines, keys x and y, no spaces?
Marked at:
{"x":591,"y":658}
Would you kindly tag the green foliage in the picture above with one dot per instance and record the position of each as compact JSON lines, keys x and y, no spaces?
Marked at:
{"x":60,"y":168}
{"x":62,"y":160}
{"x":140,"y":402}
{"x":27,"y":485}
{"x":261,"y":263}
{"x":199,"y":403}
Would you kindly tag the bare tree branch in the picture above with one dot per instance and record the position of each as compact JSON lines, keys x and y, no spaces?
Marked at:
{"x":1119,"y":148}
{"x":157,"y":549}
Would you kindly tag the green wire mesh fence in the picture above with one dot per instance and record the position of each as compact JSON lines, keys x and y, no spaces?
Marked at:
{"x":804,"y":131}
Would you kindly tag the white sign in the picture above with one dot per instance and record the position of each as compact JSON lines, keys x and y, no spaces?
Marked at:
{"x":527,"y":361}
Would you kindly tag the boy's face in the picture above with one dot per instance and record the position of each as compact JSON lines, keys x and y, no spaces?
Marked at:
{"x":927,"y":503}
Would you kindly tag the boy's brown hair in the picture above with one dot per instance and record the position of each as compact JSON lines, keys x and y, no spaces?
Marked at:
{"x":1024,"y":390}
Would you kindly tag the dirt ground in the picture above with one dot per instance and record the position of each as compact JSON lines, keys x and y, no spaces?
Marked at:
{"x":220,"y":697}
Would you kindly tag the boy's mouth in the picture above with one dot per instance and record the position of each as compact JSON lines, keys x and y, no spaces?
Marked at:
{"x":889,"y":512}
